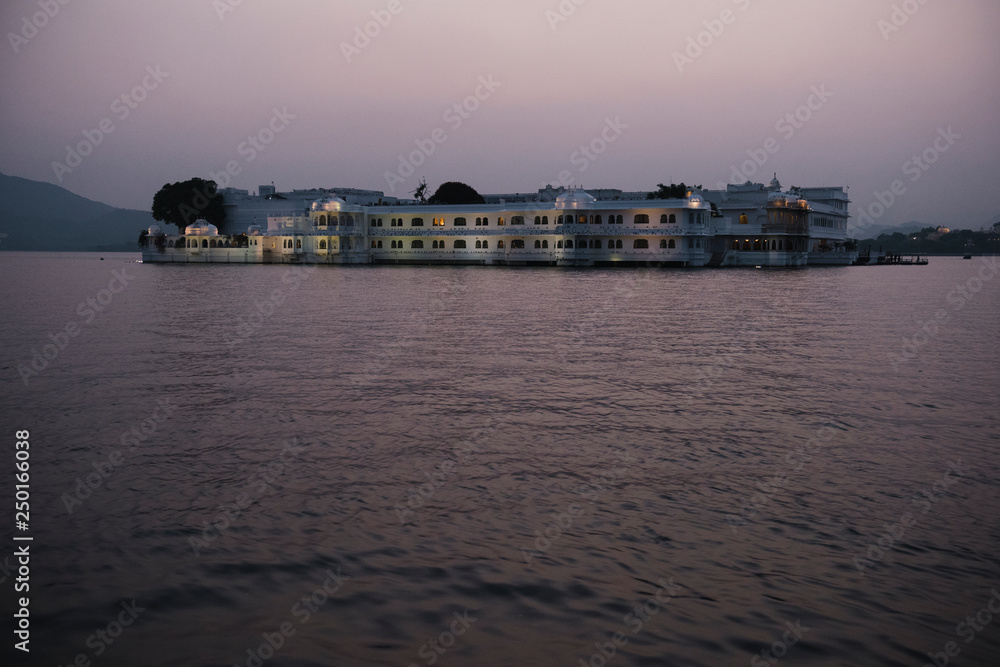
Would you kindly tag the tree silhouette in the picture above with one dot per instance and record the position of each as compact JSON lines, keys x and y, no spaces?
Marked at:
{"x":185,"y":202}
{"x":454,"y":192}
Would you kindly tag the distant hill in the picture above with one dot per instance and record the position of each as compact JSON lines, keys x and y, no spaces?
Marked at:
{"x":906,"y":228}
{"x":43,"y":216}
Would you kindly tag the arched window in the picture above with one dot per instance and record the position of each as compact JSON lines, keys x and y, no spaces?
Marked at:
{"x":559,"y":245}
{"x":736,"y":244}
{"x":673,"y":219}
{"x":756,"y":244}
{"x":417,"y":245}
{"x":392,"y":245}
{"x":569,"y":244}
{"x":545,"y":219}
{"x":486,"y":222}
{"x":618,"y":244}
{"x":298,"y":244}
{"x":780,"y":243}
{"x":204,"y":243}
{"x":460,"y":222}
{"x":479,"y":245}
{"x":460,"y":245}
{"x":500,"y":245}
{"x":640,"y":244}
{"x":545,"y":244}
{"x":538,"y":219}
{"x":211,"y":244}
{"x":517,"y":244}
{"x":672,"y":244}
{"x":598,"y":220}
{"x":486,"y":245}
{"x":642,"y":219}
{"x":379,"y":244}
{"x":663,"y":219}
{"x":582,"y":219}
{"x":417,"y":222}
{"x":663,"y":243}
{"x":746,"y":245}
{"x":479,"y":222}
{"x":322,"y":244}
{"x":598,"y":244}
{"x":538,"y":245}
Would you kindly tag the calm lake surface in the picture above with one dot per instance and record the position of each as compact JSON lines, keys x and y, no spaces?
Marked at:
{"x":488,"y":466}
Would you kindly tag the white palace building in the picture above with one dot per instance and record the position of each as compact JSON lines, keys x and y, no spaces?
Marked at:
{"x":744,"y":225}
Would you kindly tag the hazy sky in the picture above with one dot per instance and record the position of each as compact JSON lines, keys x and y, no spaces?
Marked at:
{"x":184,"y":84}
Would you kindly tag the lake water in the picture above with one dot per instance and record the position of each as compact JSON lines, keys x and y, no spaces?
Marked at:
{"x":488,"y":466}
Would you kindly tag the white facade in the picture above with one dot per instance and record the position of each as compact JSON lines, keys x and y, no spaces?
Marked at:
{"x":748,"y":225}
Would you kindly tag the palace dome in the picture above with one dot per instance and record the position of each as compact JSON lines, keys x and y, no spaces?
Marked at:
{"x":154,"y":230}
{"x":576,"y":199}
{"x":328,"y":203}
{"x":201,"y":228}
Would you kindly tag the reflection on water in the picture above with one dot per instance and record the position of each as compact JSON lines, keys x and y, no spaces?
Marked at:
{"x":505,"y":467}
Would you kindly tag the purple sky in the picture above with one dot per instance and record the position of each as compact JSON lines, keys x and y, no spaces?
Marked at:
{"x":887,"y":96}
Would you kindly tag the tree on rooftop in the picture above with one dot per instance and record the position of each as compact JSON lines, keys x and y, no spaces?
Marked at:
{"x":185,"y":202}
{"x":454,"y":192}
{"x":673,"y":191}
